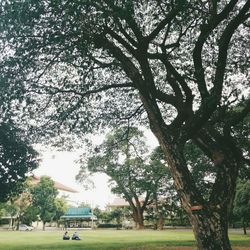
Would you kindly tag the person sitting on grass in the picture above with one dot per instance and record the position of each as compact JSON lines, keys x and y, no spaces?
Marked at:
{"x":75,"y":236}
{"x":66,"y":236}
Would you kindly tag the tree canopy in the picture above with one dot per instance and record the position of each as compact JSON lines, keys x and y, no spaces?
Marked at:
{"x":242,"y":203}
{"x":17,"y":159}
{"x":44,"y":199}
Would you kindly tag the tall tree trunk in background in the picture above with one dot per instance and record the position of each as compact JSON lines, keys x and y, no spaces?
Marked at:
{"x":18,"y":222}
{"x":44,"y":225}
{"x":138,"y":219}
{"x":160,"y":222}
{"x":244,"y":227}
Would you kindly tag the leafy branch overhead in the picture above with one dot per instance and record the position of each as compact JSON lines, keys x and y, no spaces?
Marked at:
{"x":179,"y":67}
{"x":17,"y":158}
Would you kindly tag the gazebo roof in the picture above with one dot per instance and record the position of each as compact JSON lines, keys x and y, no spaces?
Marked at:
{"x":79,"y":213}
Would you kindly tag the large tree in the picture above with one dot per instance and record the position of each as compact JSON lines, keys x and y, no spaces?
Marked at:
{"x":180,"y":66}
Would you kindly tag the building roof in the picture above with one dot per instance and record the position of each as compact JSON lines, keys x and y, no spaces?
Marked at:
{"x":118,"y":202}
{"x":57,"y":185}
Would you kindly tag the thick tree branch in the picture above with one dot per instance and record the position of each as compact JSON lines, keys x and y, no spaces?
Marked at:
{"x":206,"y":30}
{"x":223,"y":49}
{"x":89,"y":92}
{"x":171,"y":15}
{"x":119,"y":39}
{"x":179,"y":78}
{"x":171,"y":99}
{"x":124,"y":14}
{"x":126,"y":35}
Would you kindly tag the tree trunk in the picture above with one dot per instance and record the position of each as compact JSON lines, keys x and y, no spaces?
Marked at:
{"x":17,"y":224}
{"x":244,"y":227}
{"x":160,"y":222}
{"x":210,"y":229}
{"x":171,"y":217}
{"x":44,"y":225}
{"x":210,"y":221}
{"x":140,"y":220}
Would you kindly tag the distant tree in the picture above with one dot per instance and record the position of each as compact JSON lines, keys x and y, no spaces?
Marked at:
{"x":1,"y":209}
{"x":23,"y":202}
{"x":117,"y":215}
{"x":102,"y":216}
{"x":22,"y":205}
{"x":61,"y":207}
{"x":30,"y":215}
{"x":166,"y":202}
{"x":44,"y":198}
{"x":17,"y":158}
{"x":123,"y":157}
{"x":200,"y":167}
{"x":11,"y":209}
{"x":97,"y":212}
{"x":242,"y":203}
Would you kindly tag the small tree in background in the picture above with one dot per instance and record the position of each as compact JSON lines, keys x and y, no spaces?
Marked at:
{"x":61,"y":207}
{"x":242,"y":204}
{"x":44,"y":198}
{"x":11,"y":209}
{"x":30,"y":215}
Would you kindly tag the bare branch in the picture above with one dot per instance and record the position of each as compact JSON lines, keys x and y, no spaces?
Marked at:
{"x":171,"y":15}
{"x":206,"y":30}
{"x":223,"y":48}
{"x":121,"y":41}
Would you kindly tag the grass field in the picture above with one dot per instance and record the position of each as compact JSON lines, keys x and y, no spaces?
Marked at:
{"x":108,"y":240}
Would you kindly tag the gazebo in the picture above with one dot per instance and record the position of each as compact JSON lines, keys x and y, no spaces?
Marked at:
{"x":79,"y":218}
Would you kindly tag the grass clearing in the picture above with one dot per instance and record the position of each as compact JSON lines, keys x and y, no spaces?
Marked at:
{"x":108,"y":240}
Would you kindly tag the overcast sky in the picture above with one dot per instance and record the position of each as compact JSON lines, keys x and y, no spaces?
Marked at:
{"x":62,"y":167}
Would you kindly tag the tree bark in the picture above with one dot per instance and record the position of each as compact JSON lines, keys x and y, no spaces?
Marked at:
{"x":160,"y":223}
{"x":44,"y":225}
{"x":140,"y":220}
{"x":209,"y":218}
{"x":210,"y":229}
{"x":244,"y":227}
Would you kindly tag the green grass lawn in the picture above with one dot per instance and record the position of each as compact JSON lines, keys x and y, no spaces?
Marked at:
{"x":104,"y":240}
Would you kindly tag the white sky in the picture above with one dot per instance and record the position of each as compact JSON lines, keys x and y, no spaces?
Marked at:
{"x":61,"y":166}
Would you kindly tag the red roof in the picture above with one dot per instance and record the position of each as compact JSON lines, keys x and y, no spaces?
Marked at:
{"x":57,"y":185}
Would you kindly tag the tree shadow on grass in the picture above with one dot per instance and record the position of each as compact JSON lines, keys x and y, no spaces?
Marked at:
{"x":105,"y":246}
